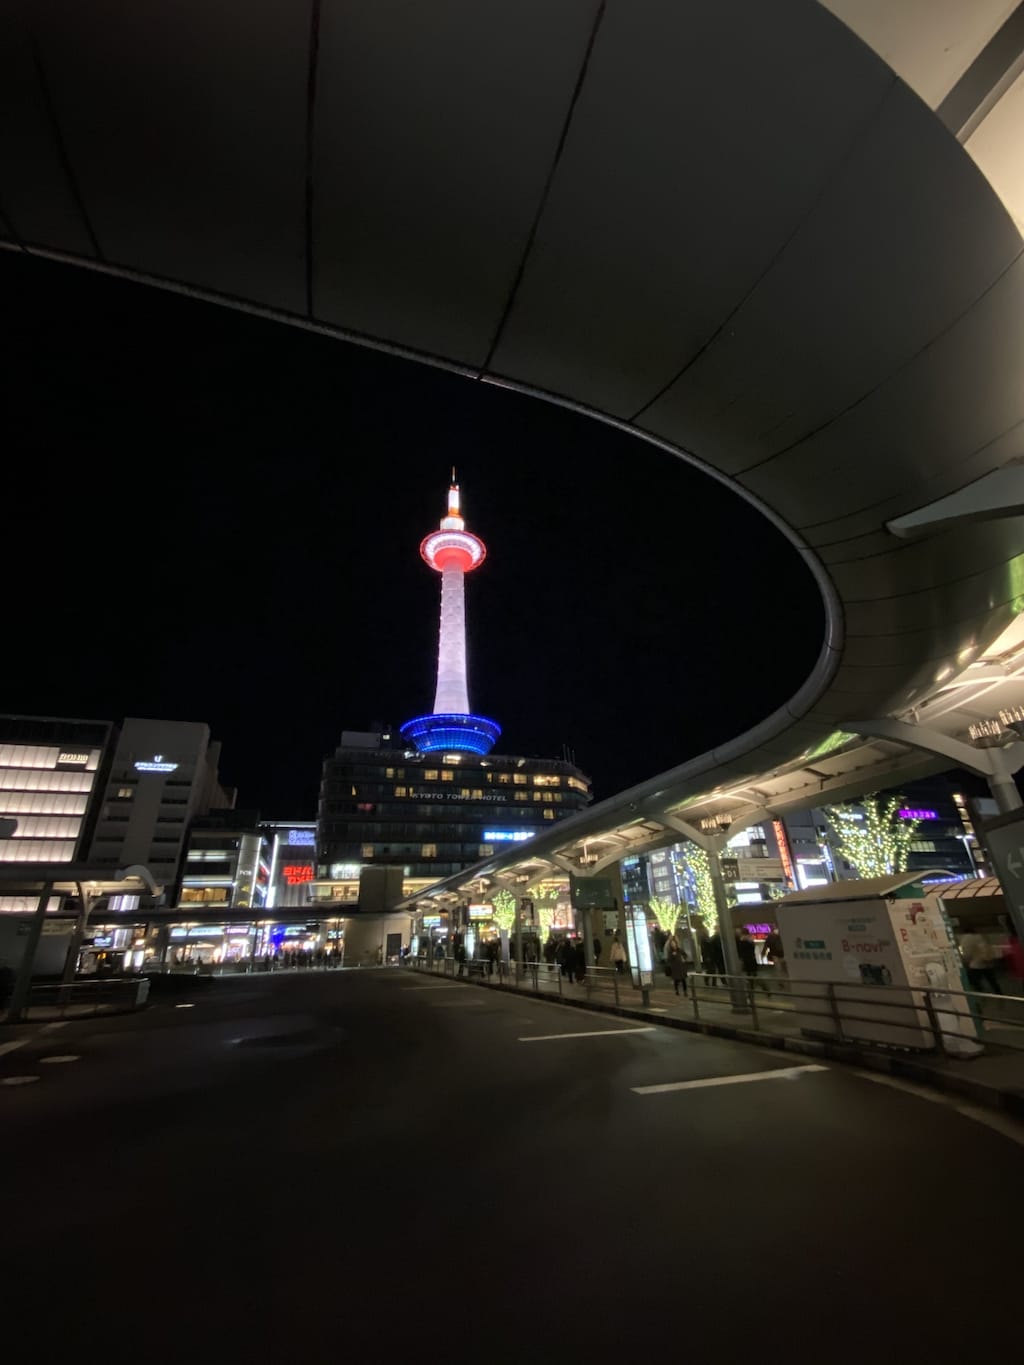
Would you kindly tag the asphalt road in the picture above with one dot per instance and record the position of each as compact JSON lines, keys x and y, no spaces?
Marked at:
{"x":304,"y":1167}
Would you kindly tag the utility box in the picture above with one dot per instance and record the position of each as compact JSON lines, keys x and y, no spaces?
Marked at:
{"x":380,"y":889}
{"x":873,"y":947}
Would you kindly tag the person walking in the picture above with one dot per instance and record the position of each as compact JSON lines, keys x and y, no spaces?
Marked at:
{"x":678,"y":966}
{"x":716,"y":957}
{"x":747,"y":950}
{"x":617,"y":956}
{"x":776,"y":954}
{"x":597,"y":951}
{"x":979,"y":963}
{"x":579,"y":960}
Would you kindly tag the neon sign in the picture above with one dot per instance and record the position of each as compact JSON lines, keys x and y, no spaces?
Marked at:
{"x":507,"y":836}
{"x":155,"y":765}
{"x":908,"y":814}
{"x":297,"y":873}
{"x":304,"y":837}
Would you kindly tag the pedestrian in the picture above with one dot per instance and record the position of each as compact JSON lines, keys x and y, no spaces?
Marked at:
{"x":617,"y":956}
{"x":979,"y":963}
{"x":747,"y":950}
{"x":678,"y":966}
{"x":597,"y":951}
{"x":566,"y":958}
{"x":579,"y":960}
{"x":776,"y":953}
{"x":550,"y":952}
{"x":1014,"y":958}
{"x":716,"y":957}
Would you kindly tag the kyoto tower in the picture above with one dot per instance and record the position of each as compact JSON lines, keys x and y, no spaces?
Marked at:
{"x":453,"y":552}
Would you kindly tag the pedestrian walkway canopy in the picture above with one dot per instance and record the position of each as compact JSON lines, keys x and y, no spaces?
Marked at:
{"x":762,"y":238}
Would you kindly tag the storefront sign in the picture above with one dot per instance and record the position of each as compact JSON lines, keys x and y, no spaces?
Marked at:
{"x":155,"y":765}
{"x":78,"y":760}
{"x":297,"y":873}
{"x":301,"y":838}
{"x":481,"y":912}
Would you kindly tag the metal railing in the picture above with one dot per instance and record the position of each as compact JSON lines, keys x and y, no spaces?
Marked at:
{"x":83,"y":999}
{"x":925,"y":1019}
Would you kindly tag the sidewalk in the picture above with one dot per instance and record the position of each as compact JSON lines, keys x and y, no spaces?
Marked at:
{"x":994,"y":1079}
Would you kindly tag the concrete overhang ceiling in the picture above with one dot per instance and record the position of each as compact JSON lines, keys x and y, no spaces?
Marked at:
{"x":726,"y":226}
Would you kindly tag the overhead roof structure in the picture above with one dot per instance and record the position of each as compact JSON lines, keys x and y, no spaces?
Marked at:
{"x":730,"y":228}
{"x":74,"y":879}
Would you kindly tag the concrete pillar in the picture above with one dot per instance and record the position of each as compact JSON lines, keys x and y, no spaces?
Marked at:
{"x":1004,"y":791}
{"x":22,"y":982}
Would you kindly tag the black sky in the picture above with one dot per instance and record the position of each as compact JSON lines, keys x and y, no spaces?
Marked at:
{"x":214,"y":517}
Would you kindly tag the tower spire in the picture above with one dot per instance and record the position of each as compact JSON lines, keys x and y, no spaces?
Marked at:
{"x":453,"y":552}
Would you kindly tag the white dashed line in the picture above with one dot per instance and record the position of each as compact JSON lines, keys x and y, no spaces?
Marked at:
{"x":18,"y":1080}
{"x":591,"y":1033}
{"x":64,"y":1057}
{"x":784,"y":1073}
{"x":11,"y":1047}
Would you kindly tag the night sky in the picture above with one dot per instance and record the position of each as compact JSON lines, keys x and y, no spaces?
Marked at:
{"x":213,"y":517}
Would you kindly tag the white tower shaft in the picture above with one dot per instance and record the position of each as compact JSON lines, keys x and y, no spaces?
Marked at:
{"x":452,"y":697}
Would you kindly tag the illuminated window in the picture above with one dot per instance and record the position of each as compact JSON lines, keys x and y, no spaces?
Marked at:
{"x":504,"y":779}
{"x":428,"y":851}
{"x":446,"y":774}
{"x":558,"y":796}
{"x":367,"y":850}
{"x":549,"y":815}
{"x":543,"y":780}
{"x":430,"y":775}
{"x":519,"y":779}
{"x":401,"y":791}
{"x":478,"y":793}
{"x":548,"y":796}
{"x":125,"y":793}
{"x":522,"y":796}
{"x":464,"y":791}
{"x":485,"y":850}
{"x":539,"y":796}
{"x":389,"y":772}
{"x":576,"y":783}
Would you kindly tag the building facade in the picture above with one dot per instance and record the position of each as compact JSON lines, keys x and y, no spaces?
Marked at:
{"x":430,"y":814}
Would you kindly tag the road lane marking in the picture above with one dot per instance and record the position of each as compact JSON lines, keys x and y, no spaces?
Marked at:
{"x":18,"y":1080}
{"x":58,"y":1023}
{"x":591,"y":1033}
{"x":452,"y":987}
{"x":68,"y":1057}
{"x":10,"y":1047}
{"x":999,"y":1123}
{"x":781,"y":1073}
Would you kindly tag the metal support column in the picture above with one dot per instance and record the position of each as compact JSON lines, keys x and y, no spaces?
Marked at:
{"x":726,"y":933}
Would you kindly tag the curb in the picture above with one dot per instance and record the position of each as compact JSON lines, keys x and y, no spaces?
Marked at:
{"x":1007,"y":1101}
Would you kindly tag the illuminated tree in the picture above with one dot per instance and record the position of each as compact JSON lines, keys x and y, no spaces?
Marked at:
{"x":504,"y":907}
{"x":696,"y":860}
{"x":872,"y":836}
{"x":546,"y":915}
{"x":665,"y":912}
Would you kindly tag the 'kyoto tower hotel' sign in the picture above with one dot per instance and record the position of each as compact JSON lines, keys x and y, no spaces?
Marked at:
{"x":453,"y":552}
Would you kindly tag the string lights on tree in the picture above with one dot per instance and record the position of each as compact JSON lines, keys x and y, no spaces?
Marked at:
{"x":665,"y":912}
{"x":872,"y":835}
{"x":704,"y":888}
{"x":504,"y":906}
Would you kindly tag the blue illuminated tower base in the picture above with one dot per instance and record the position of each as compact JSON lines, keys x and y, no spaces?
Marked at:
{"x":455,"y":732}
